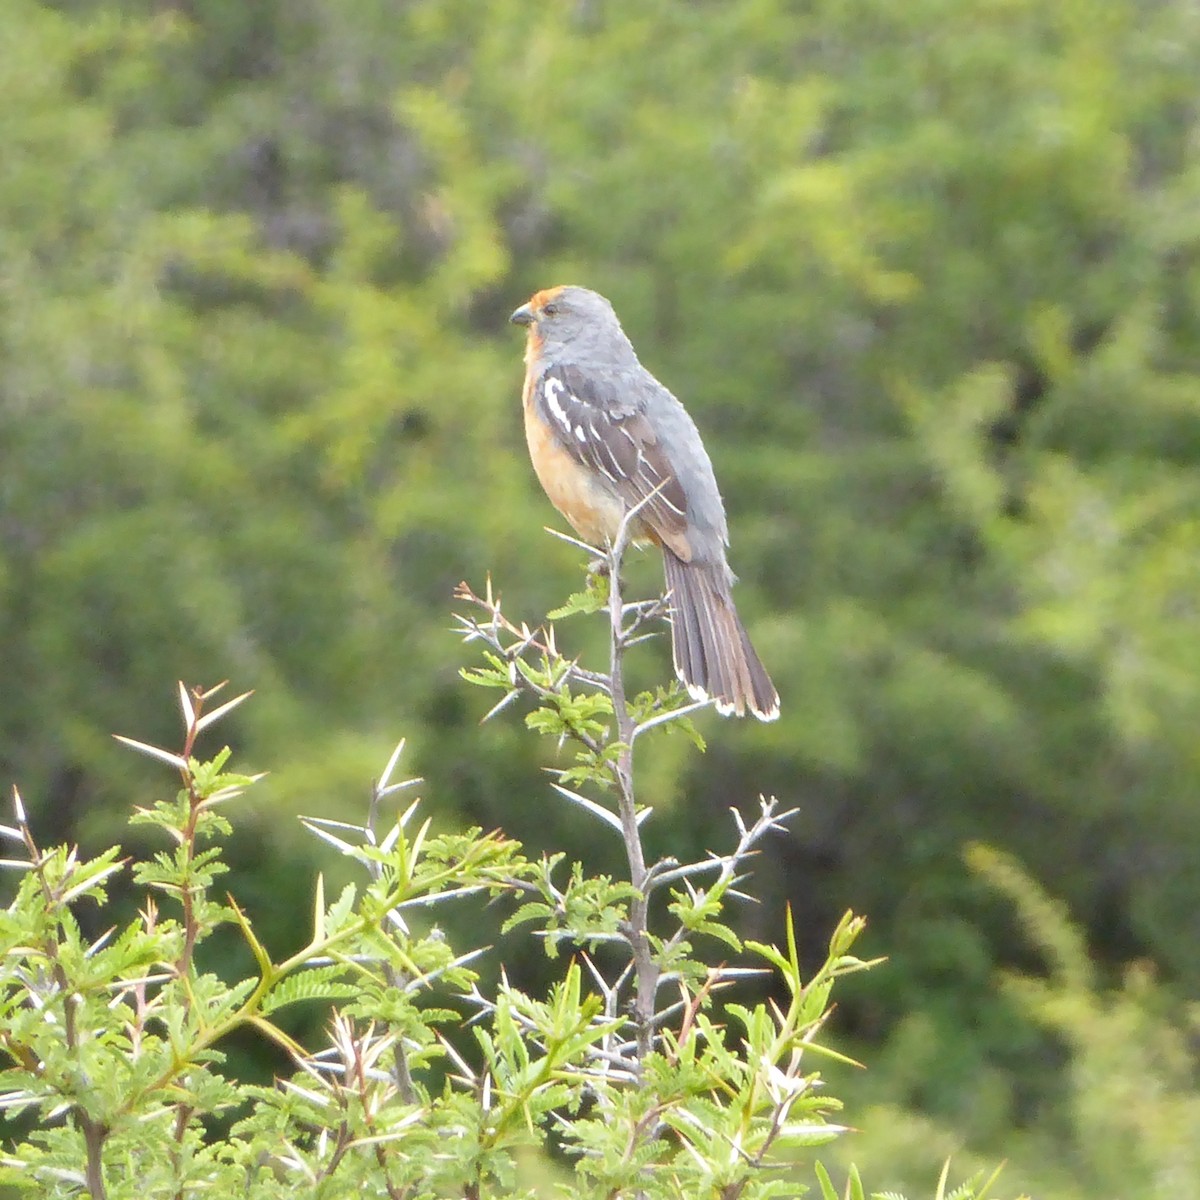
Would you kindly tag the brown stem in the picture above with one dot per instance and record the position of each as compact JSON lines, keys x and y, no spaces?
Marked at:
{"x":401,"y":1072}
{"x":93,"y":1138}
{"x":183,"y":1114}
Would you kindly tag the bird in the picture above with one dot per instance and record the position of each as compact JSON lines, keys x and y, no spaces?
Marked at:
{"x":604,"y":437}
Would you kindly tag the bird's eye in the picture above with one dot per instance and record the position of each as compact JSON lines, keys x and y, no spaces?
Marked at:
{"x":550,"y":310}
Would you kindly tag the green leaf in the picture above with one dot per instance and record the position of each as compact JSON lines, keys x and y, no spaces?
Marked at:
{"x":325,"y":983}
{"x":828,"y":1192}
{"x":593,"y":600}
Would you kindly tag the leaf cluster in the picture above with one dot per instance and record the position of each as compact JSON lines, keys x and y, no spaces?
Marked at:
{"x":115,"y":1049}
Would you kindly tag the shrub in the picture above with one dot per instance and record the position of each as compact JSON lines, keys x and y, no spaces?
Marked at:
{"x":635,"y":1068}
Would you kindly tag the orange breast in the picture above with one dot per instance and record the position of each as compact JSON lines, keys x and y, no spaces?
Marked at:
{"x":593,"y":510}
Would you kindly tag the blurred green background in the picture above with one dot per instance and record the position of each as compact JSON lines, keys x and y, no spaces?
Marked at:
{"x":926,"y":274}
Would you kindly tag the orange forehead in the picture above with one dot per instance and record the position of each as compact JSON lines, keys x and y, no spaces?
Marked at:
{"x":539,"y":300}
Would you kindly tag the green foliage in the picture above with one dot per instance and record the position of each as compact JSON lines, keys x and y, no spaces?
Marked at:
{"x":925,"y":273}
{"x":1132,"y":1120}
{"x":1127,"y":1119}
{"x":115,"y":1049}
{"x":592,"y":600}
{"x":974,"y":1189}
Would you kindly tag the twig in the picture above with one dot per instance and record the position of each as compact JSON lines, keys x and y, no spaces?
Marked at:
{"x":646,"y":970}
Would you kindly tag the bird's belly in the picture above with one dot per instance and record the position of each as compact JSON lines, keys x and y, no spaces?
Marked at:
{"x":592,"y":507}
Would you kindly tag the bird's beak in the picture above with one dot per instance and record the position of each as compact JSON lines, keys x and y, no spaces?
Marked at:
{"x":522,"y":316}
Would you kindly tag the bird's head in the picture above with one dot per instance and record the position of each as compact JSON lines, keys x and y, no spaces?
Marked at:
{"x":572,"y":319}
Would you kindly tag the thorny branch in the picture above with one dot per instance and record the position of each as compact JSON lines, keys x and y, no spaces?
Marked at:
{"x":635,"y":990}
{"x":646,"y":969}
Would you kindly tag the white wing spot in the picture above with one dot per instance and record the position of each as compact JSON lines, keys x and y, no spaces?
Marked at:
{"x":581,"y":434}
{"x":551,"y":390}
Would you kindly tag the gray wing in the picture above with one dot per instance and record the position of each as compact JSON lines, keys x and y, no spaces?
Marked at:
{"x":613,"y":437}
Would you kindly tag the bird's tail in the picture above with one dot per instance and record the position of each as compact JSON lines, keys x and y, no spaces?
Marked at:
{"x":713,"y":655}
